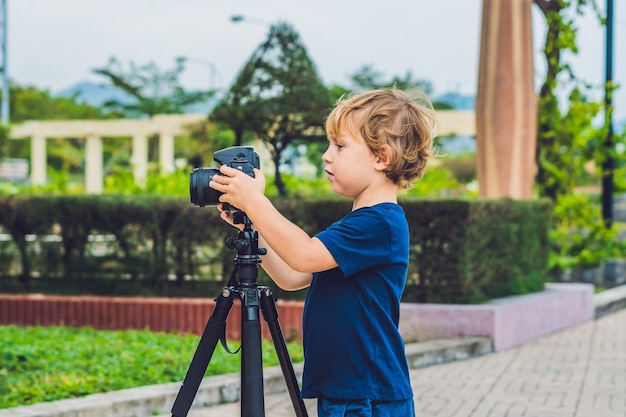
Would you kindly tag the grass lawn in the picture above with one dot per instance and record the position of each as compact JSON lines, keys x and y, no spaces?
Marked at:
{"x":52,"y":363}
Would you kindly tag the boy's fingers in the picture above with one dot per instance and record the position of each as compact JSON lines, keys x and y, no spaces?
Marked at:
{"x":229,"y":171}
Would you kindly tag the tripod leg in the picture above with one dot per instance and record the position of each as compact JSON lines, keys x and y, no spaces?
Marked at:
{"x":252,"y":401}
{"x":212,"y":332}
{"x":270,"y":314}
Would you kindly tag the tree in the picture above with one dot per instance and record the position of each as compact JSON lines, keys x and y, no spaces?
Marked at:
{"x":31,"y":103}
{"x":367,"y":78}
{"x":278,"y":95}
{"x":563,"y":139}
{"x":151,"y":90}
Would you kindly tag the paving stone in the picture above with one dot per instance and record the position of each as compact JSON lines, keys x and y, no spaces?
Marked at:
{"x":578,"y":372}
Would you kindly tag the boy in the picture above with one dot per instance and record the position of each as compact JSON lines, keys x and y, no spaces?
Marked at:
{"x":355,"y":365}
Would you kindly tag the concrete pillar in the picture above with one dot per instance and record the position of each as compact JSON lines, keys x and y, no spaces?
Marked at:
{"x":166,"y":152}
{"x":506,"y":104}
{"x":140,"y":158}
{"x":93,"y":165}
{"x":38,"y":162}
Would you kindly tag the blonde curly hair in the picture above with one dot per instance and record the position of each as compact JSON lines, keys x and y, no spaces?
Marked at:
{"x":404,"y":121}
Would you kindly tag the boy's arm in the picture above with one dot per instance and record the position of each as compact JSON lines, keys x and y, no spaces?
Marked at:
{"x":281,"y":273}
{"x":292,"y":245}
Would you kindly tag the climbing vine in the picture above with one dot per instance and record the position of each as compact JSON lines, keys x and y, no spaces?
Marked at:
{"x":565,"y":138}
{"x":567,"y":141}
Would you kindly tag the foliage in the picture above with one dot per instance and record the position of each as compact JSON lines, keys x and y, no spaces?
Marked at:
{"x":19,"y":218}
{"x":567,"y":144}
{"x":46,"y":364}
{"x":462,"y":251}
{"x":566,"y":148}
{"x":579,"y":237}
{"x":31,"y":103}
{"x":204,"y":139}
{"x":152,"y":91}
{"x":156,"y":183}
{"x":470,"y":251}
{"x":620,"y":159}
{"x":66,"y":161}
{"x":156,"y":241}
{"x":4,"y":141}
{"x":368,"y":78}
{"x":562,"y":139}
{"x":463,"y":167}
{"x":439,"y":182}
{"x":336,"y":92}
{"x":443,"y":179}
{"x":278,"y":96}
{"x":299,"y":187}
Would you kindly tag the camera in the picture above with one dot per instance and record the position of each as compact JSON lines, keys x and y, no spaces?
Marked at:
{"x":243,"y":158}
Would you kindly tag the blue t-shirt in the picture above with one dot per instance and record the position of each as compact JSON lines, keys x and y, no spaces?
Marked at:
{"x":352,"y":346}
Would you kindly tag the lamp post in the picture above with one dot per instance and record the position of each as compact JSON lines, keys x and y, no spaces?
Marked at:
{"x":4,"y":111}
{"x":213,"y":74}
{"x":608,"y":165}
{"x":238,"y":18}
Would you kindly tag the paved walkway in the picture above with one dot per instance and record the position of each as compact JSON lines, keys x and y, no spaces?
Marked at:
{"x":578,"y":372}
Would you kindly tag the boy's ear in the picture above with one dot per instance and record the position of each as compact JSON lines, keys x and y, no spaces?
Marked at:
{"x":383,"y":157}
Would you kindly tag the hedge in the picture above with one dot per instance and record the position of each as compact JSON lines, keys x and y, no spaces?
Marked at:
{"x":462,"y":251}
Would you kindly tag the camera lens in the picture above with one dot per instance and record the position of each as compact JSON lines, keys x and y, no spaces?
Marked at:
{"x":199,"y":191}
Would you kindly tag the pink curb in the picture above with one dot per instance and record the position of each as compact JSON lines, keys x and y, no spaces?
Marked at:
{"x":509,"y":321}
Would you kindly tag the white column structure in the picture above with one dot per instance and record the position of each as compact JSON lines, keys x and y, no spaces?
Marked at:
{"x":166,"y":126}
{"x":140,"y":158}
{"x":38,"y":164}
{"x":93,"y":165}
{"x":166,"y":152}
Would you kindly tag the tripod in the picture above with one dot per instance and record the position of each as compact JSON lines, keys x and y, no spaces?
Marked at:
{"x":252,"y":298}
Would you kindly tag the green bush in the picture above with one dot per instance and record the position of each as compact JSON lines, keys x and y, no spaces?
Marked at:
{"x":470,"y":251}
{"x":463,"y":167}
{"x":462,"y":250}
{"x":579,"y":236}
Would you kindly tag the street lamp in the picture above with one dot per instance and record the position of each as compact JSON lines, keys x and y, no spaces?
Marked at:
{"x":213,"y":73}
{"x":238,"y":18}
{"x":608,"y":165}
{"x":4,"y":111}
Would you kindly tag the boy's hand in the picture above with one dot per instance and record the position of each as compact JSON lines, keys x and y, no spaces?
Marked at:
{"x":238,"y":188}
{"x":227,"y":216}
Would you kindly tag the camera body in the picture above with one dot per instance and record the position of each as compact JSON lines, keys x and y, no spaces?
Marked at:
{"x":243,"y":158}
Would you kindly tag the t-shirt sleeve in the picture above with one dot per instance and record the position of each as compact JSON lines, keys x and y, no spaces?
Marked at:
{"x":358,"y":241}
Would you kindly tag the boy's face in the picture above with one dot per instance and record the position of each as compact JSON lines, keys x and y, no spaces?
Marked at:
{"x":350,"y":165}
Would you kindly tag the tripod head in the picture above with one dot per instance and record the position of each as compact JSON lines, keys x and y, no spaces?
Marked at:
{"x":248,"y":252}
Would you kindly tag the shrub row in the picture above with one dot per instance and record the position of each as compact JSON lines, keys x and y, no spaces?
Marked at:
{"x":462,"y":251}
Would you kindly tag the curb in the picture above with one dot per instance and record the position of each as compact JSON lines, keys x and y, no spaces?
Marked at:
{"x":609,"y":301}
{"x":158,"y":399}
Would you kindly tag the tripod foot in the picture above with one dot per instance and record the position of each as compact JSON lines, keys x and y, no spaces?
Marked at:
{"x":270,"y":314}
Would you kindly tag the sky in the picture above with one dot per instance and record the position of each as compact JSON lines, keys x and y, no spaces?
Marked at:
{"x":56,"y":44}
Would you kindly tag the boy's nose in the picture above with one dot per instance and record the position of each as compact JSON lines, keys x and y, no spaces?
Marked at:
{"x":326,"y":156}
